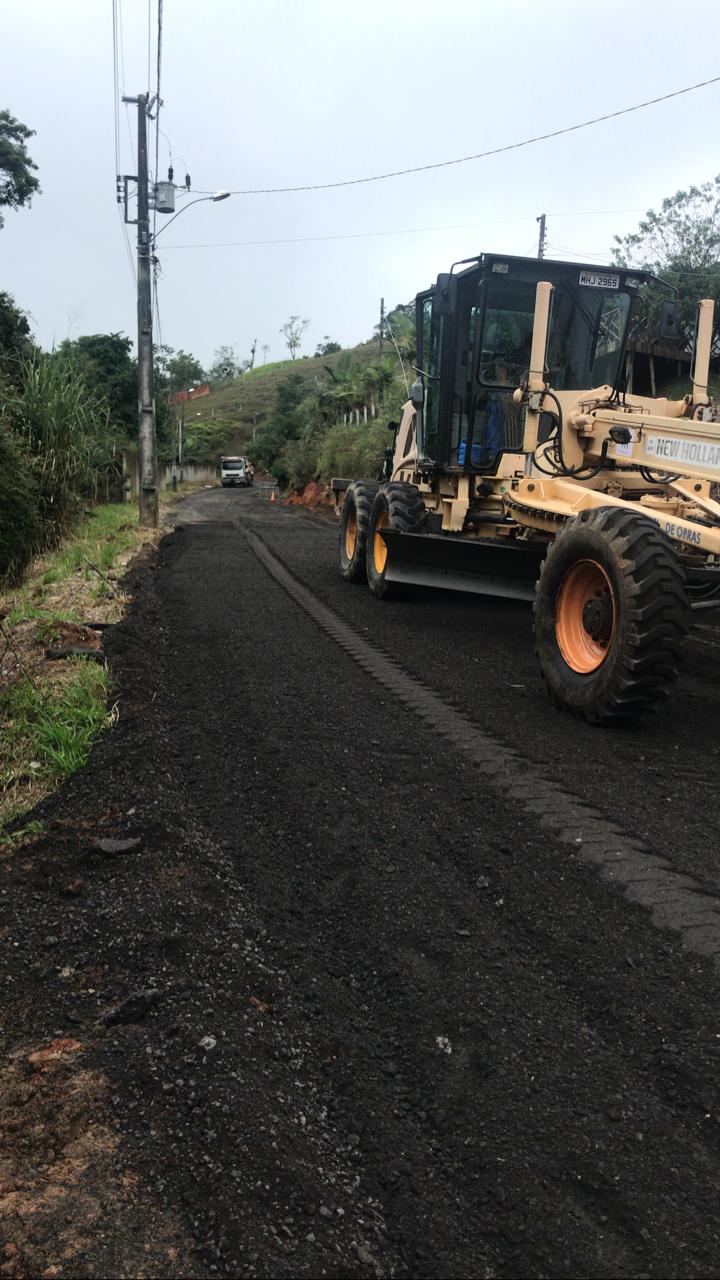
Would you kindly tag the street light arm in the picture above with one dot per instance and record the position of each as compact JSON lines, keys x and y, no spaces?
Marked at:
{"x":219,"y":195}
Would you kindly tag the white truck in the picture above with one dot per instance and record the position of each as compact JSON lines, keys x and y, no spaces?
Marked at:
{"x":236,"y":471}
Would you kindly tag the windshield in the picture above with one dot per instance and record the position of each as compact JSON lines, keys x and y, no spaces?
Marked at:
{"x":587,"y":332}
{"x":233,"y":466}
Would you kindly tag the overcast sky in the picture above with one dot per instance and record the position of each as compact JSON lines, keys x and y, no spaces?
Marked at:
{"x":282,"y":93}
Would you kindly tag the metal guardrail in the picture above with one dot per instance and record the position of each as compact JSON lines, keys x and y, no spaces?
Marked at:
{"x":268,"y":492}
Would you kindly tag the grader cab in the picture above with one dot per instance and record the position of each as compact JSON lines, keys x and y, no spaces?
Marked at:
{"x":522,"y":467}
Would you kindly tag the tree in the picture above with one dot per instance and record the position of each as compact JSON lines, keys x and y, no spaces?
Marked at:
{"x":292,"y":331}
{"x":225,"y":366}
{"x":15,"y":340}
{"x":109,"y":371}
{"x":679,"y":243}
{"x":327,"y":347}
{"x":178,"y":369}
{"x":17,"y":183}
{"x":265,"y":349}
{"x":400,"y":325}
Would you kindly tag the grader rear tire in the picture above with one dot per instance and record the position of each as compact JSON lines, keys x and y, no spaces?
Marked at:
{"x":610,"y":616}
{"x":354,"y":521}
{"x":396,"y":506}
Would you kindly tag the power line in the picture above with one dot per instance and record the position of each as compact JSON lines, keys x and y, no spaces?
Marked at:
{"x":133,"y":272}
{"x":116,"y":95}
{"x":158,"y":105}
{"x":117,"y":49}
{"x":121,"y":50}
{"x":480,"y":155}
{"x":156,"y":300}
{"x":149,"y":45}
{"x":587,"y":256}
{"x":406,"y":231}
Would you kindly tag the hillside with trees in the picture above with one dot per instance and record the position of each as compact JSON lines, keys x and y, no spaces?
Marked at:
{"x":312,"y":416}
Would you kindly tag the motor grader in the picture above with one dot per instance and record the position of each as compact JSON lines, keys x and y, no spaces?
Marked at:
{"x":523,"y":467}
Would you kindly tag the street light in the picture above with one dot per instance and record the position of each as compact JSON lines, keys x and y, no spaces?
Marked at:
{"x":219,"y":195}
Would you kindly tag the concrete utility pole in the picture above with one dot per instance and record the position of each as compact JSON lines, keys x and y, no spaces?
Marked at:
{"x":181,"y":441}
{"x":541,"y":240}
{"x":382,"y":327}
{"x":147,"y":441}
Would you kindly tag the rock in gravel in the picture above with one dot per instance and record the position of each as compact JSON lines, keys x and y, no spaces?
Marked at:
{"x":207,"y":1042}
{"x":110,"y":847}
{"x":76,"y":651}
{"x":132,"y":1009}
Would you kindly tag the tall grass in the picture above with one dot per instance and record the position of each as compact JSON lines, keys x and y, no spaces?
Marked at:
{"x":51,"y":429}
{"x":57,"y":419}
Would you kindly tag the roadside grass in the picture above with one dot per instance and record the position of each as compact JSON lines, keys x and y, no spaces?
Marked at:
{"x":66,"y":582}
{"x":46,"y":733}
{"x":51,"y":713}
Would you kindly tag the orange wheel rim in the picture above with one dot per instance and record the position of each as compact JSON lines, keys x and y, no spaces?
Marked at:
{"x":379,"y":548}
{"x":351,"y":535}
{"x":585,"y":616}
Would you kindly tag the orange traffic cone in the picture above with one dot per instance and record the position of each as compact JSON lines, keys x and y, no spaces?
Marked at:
{"x":273,"y":497}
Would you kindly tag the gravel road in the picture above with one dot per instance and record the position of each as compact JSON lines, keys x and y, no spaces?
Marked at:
{"x":357,"y":957}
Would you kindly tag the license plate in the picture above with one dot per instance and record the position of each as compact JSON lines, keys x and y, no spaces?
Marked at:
{"x":599,"y":280}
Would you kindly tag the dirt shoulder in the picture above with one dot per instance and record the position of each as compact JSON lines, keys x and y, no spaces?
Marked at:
{"x":55,"y":695}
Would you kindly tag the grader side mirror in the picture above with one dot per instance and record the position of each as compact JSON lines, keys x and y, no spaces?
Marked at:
{"x":669,"y":319}
{"x":417,"y":393}
{"x":445,"y":295}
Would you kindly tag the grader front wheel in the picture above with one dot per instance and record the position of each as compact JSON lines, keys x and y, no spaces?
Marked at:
{"x":396,"y":506}
{"x":610,"y":615}
{"x":354,"y":521}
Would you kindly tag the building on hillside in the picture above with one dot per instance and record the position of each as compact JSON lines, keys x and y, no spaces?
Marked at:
{"x":181,"y":397}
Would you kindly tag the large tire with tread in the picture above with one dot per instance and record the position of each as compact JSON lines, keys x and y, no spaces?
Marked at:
{"x":354,"y":521}
{"x":610,"y":615}
{"x":397,"y":506}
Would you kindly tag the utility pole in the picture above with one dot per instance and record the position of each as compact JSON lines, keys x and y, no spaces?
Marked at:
{"x":382,"y":327}
{"x":541,"y":240}
{"x":181,"y":440}
{"x":147,"y":442}
{"x":172,"y":415}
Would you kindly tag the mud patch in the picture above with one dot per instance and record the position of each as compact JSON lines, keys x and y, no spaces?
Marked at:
{"x":314,"y":497}
{"x":64,"y":1200}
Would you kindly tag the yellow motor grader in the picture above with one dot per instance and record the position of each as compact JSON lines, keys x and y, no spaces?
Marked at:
{"x":522,"y":467}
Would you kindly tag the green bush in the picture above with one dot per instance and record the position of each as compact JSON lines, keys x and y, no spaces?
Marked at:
{"x":352,"y":450}
{"x":297,"y":463}
{"x":19,"y":510}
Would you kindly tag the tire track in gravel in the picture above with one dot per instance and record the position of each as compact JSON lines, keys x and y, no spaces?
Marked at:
{"x":674,"y":900}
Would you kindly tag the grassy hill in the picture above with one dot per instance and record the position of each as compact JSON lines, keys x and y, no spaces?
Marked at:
{"x":246,"y":402}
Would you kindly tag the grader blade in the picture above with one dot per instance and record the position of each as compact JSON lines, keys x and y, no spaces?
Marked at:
{"x":459,"y":564}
